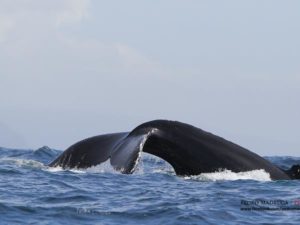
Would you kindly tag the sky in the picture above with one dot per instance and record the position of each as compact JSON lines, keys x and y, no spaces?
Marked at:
{"x":71,"y":69}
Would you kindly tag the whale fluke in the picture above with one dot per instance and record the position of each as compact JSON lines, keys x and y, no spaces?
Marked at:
{"x":189,"y":150}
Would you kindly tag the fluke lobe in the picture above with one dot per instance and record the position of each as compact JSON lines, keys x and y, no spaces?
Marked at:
{"x":189,"y":150}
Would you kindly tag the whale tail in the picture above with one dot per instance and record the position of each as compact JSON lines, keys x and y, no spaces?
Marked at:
{"x":188,"y":149}
{"x":294,"y":172}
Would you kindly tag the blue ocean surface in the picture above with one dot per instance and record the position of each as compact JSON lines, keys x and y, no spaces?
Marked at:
{"x":32,"y":193}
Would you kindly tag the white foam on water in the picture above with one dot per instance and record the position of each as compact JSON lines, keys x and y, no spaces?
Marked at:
{"x":259,"y":175}
{"x":166,"y":170}
{"x":104,"y":167}
{"x":54,"y":169}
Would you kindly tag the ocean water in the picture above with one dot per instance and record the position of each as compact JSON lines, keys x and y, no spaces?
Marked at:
{"x":32,"y":193}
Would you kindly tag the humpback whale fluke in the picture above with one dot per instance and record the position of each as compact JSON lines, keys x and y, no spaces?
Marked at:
{"x":189,"y":150}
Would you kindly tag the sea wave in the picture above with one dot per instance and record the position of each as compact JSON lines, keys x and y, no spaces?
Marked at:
{"x":33,"y":193}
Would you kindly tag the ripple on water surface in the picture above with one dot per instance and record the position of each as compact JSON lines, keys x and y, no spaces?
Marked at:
{"x":32,"y":192}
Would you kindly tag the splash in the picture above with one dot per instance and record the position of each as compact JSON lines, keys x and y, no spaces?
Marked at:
{"x":152,"y":164}
{"x":104,"y":167}
{"x":259,"y":175}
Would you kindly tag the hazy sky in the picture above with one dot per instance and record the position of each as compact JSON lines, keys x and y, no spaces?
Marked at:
{"x":78,"y":68}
